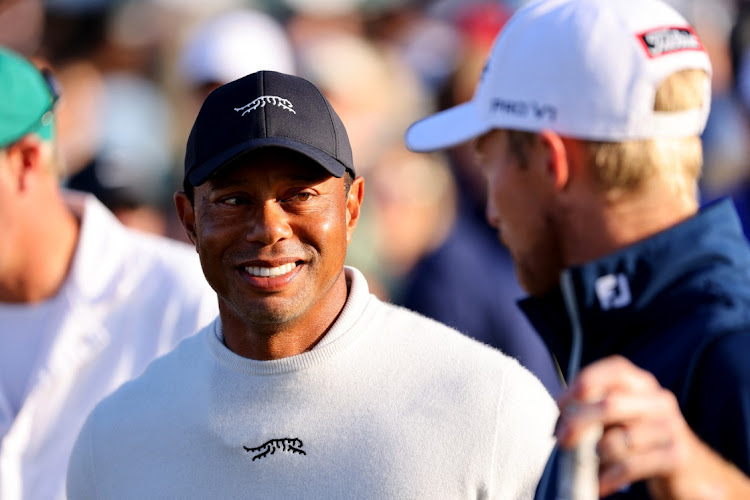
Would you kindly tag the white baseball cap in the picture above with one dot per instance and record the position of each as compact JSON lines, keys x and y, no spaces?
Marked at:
{"x":587,"y":69}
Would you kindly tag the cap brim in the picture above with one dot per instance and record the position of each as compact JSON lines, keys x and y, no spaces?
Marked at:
{"x":446,"y":128}
{"x":202,"y":172}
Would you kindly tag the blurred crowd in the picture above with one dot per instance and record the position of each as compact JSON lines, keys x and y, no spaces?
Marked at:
{"x":133,"y":73}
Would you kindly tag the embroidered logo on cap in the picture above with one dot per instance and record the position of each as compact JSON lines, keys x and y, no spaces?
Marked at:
{"x":613,"y":291}
{"x":289,"y":445}
{"x":261,"y":102}
{"x":524,"y":109}
{"x":664,"y":41}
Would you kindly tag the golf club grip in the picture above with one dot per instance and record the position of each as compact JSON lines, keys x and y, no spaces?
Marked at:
{"x":579,"y":468}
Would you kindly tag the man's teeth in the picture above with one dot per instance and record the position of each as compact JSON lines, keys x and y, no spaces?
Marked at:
{"x":269,"y":272}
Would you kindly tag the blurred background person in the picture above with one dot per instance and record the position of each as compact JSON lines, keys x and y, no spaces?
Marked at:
{"x":414,"y":206}
{"x":85,"y":304}
{"x":376,"y":94}
{"x":739,"y":57}
{"x":116,"y":122}
{"x":467,"y":280}
{"x":131,"y":172}
{"x":229,"y":45}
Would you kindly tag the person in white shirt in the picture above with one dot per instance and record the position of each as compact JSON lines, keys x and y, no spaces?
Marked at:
{"x":306,"y":385}
{"x":85,"y":304}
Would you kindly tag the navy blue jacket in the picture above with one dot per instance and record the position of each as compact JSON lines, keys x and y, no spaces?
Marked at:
{"x":678,"y":305}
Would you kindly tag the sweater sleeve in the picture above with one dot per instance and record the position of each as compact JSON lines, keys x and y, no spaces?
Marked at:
{"x":81,"y":477}
{"x":524,"y":435}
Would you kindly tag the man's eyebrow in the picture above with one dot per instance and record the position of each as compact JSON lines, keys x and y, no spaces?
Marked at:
{"x":226,"y":181}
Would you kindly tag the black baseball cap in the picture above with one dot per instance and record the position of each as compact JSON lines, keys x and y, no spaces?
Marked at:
{"x":266,"y":109}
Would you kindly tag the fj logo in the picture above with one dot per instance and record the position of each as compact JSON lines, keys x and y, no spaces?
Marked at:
{"x":613,"y":291}
{"x":261,"y":102}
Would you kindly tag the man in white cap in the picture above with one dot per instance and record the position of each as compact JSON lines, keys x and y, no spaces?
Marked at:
{"x":587,"y":122}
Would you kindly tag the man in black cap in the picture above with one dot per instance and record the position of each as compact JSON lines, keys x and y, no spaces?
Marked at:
{"x":306,"y":385}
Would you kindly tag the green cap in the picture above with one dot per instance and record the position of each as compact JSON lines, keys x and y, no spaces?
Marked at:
{"x":26,"y":99}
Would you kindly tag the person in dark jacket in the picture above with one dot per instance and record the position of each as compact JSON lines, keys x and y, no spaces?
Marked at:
{"x":477,"y":297}
{"x":587,"y":123}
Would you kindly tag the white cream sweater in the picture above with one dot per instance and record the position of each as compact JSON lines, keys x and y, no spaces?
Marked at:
{"x":388,"y":405}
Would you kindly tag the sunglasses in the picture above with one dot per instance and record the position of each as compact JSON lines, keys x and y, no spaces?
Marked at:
{"x":53,"y":86}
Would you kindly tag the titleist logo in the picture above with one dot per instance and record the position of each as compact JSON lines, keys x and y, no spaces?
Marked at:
{"x":668,"y":40}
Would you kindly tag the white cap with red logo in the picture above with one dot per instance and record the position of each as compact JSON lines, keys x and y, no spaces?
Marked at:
{"x":587,"y":69}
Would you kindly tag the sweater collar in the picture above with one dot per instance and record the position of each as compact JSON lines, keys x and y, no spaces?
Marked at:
{"x":341,"y":334}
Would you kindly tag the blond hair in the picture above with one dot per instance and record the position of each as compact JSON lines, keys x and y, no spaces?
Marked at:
{"x":624,"y":167}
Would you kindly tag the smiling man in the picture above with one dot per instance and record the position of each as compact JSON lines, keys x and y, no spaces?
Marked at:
{"x":306,"y":385}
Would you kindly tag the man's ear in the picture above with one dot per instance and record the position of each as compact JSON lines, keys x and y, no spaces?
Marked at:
{"x":353,"y":206}
{"x":186,"y":214}
{"x":25,"y":159}
{"x":558,"y":166}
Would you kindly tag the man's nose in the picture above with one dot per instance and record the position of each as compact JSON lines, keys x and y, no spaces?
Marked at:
{"x":270,"y":224}
{"x":491,"y":212}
